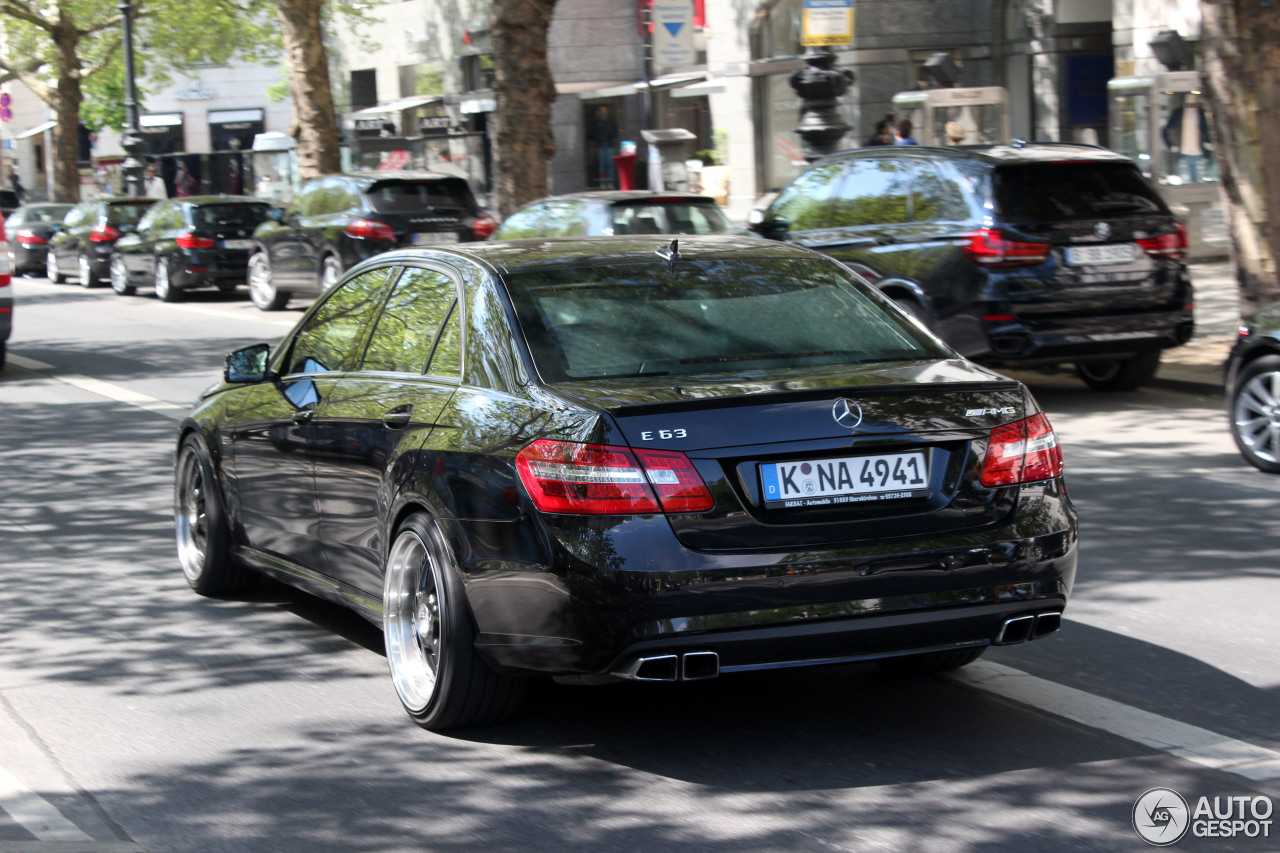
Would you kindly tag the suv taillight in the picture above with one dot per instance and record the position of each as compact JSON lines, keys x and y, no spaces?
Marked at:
{"x":987,"y":247}
{"x":596,"y":479}
{"x":104,"y":234}
{"x":5,"y":272}
{"x":192,"y":241}
{"x":371,"y":229}
{"x":1171,"y":245}
{"x":483,"y":227}
{"x":1022,"y":452}
{"x":27,"y":237}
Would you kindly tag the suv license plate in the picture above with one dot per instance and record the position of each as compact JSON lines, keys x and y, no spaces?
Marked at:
{"x":237,"y":244}
{"x":1119,"y":253}
{"x":819,"y":482}
{"x":432,"y":238}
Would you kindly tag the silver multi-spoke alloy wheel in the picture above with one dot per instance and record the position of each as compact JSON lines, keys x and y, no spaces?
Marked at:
{"x":1255,"y":417}
{"x":191,"y":517}
{"x":330,"y":272}
{"x":120,"y":277}
{"x":51,"y":267}
{"x":262,"y":290}
{"x":412,"y":601}
{"x":163,"y":284}
{"x":86,"y":273}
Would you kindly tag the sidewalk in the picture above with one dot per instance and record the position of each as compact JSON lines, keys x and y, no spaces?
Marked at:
{"x":1198,"y":365}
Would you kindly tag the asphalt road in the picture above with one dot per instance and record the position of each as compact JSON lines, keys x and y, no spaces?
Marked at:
{"x":135,"y":715}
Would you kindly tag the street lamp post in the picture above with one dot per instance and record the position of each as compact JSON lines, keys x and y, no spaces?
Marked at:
{"x":131,"y":141}
{"x":819,"y":85}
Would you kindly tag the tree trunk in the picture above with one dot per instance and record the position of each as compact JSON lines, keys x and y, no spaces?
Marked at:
{"x":314,"y":118}
{"x":66,"y":110}
{"x":524,"y":91}
{"x":1241,"y":49}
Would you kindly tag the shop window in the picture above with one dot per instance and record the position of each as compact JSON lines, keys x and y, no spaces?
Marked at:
{"x":364,"y":88}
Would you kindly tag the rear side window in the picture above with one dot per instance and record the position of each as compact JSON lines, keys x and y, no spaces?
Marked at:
{"x":1040,"y":191}
{"x":709,"y":317}
{"x":402,"y":196}
{"x":410,"y":322}
{"x":127,"y":213}
{"x":874,"y":192}
{"x":934,"y":195}
{"x":215,"y":216}
{"x":525,"y":222}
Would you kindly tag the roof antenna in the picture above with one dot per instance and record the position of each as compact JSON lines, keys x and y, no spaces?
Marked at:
{"x":672,"y":252}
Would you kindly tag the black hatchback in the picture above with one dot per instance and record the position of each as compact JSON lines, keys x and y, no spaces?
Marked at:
{"x":89,"y":231}
{"x":336,"y":221}
{"x":188,"y":243}
{"x":627,"y":459}
{"x":1017,"y":255}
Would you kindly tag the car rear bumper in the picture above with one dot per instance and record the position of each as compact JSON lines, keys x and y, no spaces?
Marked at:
{"x":1039,"y":341}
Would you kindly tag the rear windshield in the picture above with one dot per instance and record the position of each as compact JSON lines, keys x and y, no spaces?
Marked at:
{"x":706,"y":317}
{"x":44,"y":213}
{"x":215,"y":216}
{"x":671,"y":217}
{"x":127,"y":213}
{"x":1038,"y":191}
{"x":419,"y":196}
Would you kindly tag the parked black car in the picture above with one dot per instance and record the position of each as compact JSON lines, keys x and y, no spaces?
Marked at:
{"x":88,"y":234}
{"x":30,"y":228}
{"x":605,"y":213}
{"x":1017,"y":255}
{"x":336,"y":221}
{"x":1253,"y":391}
{"x":6,"y":295}
{"x":188,"y":243}
{"x":627,"y":458}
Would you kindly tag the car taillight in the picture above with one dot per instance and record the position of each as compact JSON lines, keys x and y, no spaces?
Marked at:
{"x":483,"y":227}
{"x":1022,"y":452}
{"x":5,"y":272}
{"x":596,"y":479}
{"x":371,"y":229}
{"x":104,"y":234}
{"x":29,"y":238}
{"x":193,"y":241}
{"x":1171,"y":245}
{"x":987,"y":247}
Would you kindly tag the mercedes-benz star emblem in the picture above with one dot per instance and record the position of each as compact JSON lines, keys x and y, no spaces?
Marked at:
{"x":1102,"y":229}
{"x":847,"y":413}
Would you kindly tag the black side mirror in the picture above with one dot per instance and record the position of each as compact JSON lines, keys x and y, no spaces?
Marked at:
{"x":248,"y":364}
{"x":775,"y":229}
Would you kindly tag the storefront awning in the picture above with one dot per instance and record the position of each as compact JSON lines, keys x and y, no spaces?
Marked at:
{"x":39,"y":128}
{"x":234,"y":116}
{"x":160,"y":120}
{"x":710,"y":86}
{"x":642,"y":85}
{"x":398,"y":106}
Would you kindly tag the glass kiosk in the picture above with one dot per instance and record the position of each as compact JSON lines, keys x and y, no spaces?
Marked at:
{"x":976,"y":115}
{"x":1162,"y":122}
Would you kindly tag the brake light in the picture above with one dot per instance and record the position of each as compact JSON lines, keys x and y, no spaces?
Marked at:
{"x":1171,"y":245}
{"x":987,"y":247}
{"x":104,"y":234}
{"x":371,"y":229}
{"x":483,"y":227}
{"x":193,"y":241}
{"x":595,"y":479}
{"x":28,"y":237}
{"x":1022,"y":452}
{"x":5,"y":272}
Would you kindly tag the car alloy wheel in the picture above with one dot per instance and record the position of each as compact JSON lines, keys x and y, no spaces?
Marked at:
{"x":200,"y":525}
{"x":51,"y":269}
{"x":87,"y":278}
{"x":120,"y":277}
{"x":411,"y":620}
{"x":1255,"y":414}
{"x":330,"y":272}
{"x":262,"y":290}
{"x":165,"y":291}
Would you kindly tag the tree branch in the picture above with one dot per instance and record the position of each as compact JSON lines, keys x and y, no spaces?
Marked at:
{"x":10,"y":9}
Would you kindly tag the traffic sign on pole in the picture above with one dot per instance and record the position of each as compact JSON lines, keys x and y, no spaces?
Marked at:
{"x":827,"y":22}
{"x":673,"y":34}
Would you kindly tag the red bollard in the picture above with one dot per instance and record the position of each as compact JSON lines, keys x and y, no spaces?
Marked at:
{"x":626,"y":164}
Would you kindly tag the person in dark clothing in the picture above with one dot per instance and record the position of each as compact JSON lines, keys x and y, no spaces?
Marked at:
{"x":883,"y":134}
{"x":18,"y":189}
{"x":904,"y":133}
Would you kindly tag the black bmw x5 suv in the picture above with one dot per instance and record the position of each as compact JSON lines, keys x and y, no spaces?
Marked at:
{"x":1019,"y":255}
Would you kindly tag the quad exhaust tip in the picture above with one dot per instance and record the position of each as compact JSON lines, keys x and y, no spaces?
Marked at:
{"x":690,"y":666}
{"x":1032,"y":626}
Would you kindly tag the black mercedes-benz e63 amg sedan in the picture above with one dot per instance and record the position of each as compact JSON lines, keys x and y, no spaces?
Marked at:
{"x":627,"y":458}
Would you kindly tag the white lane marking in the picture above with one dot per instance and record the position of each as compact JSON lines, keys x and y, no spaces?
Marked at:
{"x":1204,"y":747}
{"x":107,"y":389}
{"x":36,"y":814}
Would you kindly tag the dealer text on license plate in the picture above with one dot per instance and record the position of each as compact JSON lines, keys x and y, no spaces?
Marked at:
{"x":819,"y":482}
{"x":1118,"y":253}
{"x":430,"y":238}
{"x":237,"y":244}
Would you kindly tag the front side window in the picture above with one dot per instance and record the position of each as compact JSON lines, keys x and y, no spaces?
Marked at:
{"x":326,"y":340}
{"x":410,"y":322}
{"x":804,"y":202}
{"x":706,"y":317}
{"x":874,"y":192}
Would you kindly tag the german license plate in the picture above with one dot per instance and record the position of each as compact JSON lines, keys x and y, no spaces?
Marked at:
{"x":854,"y":479}
{"x":1118,"y":253}
{"x":237,"y":244}
{"x":434,"y":238}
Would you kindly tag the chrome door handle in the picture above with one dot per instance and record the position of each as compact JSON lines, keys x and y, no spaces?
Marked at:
{"x":397,"y":419}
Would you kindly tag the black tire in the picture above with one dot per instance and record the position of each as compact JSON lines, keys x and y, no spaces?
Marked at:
{"x":84,"y":267}
{"x":923,"y":664}
{"x":1255,"y":413}
{"x":2,"y":354}
{"x":51,"y":268}
{"x":1120,"y":374}
{"x":429,"y":633}
{"x":164,"y":287}
{"x":120,"y":277}
{"x":201,"y":526}
{"x":262,"y":290}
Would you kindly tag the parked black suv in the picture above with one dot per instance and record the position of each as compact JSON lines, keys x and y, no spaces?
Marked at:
{"x":336,"y":221}
{"x":88,"y":234}
{"x":1018,"y":255}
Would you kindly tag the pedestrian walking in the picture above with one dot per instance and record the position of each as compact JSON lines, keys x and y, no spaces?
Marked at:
{"x":152,"y":184}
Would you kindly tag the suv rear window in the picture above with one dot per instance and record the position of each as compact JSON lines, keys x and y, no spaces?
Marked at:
{"x":127,"y":212}
{"x":705,"y":317}
{"x":213,"y":216}
{"x":1040,"y":191}
{"x":400,"y":196}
